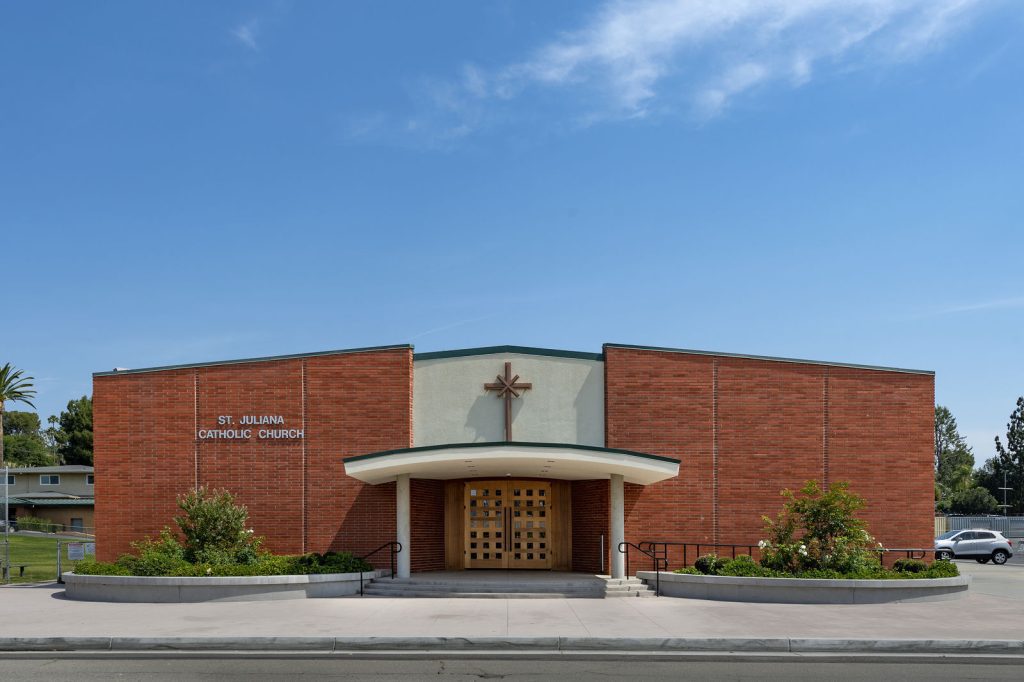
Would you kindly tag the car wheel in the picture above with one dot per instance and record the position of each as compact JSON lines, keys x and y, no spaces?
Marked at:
{"x":943,"y":555}
{"x":982,"y":560}
{"x":1000,"y":556}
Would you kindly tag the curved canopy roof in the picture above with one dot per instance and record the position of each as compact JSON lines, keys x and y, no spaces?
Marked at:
{"x":498,"y":460}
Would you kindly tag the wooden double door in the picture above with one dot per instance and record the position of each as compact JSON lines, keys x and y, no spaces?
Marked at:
{"x":510,"y":524}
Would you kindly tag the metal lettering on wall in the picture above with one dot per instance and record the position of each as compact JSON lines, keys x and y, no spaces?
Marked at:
{"x":229,"y":429}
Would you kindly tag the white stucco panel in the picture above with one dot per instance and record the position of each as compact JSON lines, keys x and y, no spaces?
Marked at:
{"x":565,"y":405}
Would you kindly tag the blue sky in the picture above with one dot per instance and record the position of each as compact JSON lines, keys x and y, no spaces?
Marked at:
{"x":836,"y":180}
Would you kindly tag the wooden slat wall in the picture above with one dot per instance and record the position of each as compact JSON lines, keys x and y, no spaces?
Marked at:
{"x":561,"y":527}
{"x":454,"y":526}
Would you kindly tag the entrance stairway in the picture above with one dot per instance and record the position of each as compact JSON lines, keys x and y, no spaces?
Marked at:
{"x":507,"y":585}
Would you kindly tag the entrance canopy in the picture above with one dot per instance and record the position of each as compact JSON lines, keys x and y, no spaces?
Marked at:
{"x":499,"y":460}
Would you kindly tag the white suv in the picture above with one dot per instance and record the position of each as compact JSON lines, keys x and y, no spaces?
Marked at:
{"x":981,"y":544}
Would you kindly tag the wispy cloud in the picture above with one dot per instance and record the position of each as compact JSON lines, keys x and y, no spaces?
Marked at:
{"x":634,"y":58}
{"x":977,"y":306}
{"x":247,"y":33}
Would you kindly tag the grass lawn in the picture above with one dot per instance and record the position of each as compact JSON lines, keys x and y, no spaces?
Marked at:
{"x":38,"y":553}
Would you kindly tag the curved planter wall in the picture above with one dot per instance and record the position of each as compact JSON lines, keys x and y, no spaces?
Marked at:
{"x":120,"y":588}
{"x":807,"y":591}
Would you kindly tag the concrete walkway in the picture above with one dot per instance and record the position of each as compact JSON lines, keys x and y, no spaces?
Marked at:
{"x":41,"y":611}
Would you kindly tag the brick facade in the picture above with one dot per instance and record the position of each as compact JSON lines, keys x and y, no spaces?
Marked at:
{"x":742,"y":428}
{"x":745,"y":428}
{"x":296,"y":489}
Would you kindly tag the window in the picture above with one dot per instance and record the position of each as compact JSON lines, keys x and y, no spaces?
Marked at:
{"x":90,"y":479}
{"x":10,"y":479}
{"x":49,"y":479}
{"x":985,"y":536}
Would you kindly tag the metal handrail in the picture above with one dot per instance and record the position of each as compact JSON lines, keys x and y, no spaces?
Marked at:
{"x":655,"y":562}
{"x":395,"y":548}
{"x":660,"y":548}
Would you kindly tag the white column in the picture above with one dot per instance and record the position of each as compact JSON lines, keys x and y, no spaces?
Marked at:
{"x":618,"y":526}
{"x":403,"y":524}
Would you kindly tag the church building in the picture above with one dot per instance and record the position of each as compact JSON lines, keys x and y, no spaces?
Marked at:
{"x":510,"y":457}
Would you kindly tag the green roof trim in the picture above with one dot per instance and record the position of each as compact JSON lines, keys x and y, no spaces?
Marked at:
{"x":513,"y":443}
{"x":269,"y":358}
{"x":521,"y":350}
{"x":51,"y":502}
{"x":769,"y":358}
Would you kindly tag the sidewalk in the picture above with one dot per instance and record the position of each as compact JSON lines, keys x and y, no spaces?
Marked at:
{"x":42,"y":612}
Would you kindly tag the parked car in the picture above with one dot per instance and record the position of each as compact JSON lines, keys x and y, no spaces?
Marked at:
{"x":980,"y":544}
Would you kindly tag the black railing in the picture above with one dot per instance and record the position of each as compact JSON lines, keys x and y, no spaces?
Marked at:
{"x":692,"y":550}
{"x":656,"y":563}
{"x":660,"y":548}
{"x":395,"y":548}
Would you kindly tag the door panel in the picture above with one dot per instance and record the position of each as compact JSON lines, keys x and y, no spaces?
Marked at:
{"x":508,"y":524}
{"x":530,"y":524}
{"x":485,"y":524}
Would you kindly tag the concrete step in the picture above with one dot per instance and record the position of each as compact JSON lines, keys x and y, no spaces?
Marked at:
{"x":427,"y":594}
{"x":483,"y":585}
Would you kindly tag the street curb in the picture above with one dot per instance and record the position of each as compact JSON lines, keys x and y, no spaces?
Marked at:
{"x":548,"y":645}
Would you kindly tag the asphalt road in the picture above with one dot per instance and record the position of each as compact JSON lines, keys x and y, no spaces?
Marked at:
{"x":999,"y":581}
{"x":191,"y":668}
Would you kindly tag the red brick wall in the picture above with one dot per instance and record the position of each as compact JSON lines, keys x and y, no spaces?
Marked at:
{"x":427,"y":532}
{"x":147,"y":453}
{"x":744,"y":429}
{"x":881,"y":437}
{"x":662,"y":404}
{"x":590,"y":520}
{"x":144,"y":454}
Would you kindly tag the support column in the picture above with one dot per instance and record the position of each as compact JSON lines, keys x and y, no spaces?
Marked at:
{"x":403,"y":525}
{"x":618,"y":530}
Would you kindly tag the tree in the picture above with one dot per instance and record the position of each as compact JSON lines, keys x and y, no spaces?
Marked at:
{"x":16,"y":388}
{"x":26,"y":423}
{"x":974,"y":500}
{"x":23,"y":443}
{"x":1009,"y":460}
{"x":74,"y":435}
{"x":954,"y":461}
{"x":26,"y":450}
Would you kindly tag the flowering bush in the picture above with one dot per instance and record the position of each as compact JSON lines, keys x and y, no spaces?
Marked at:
{"x":818,"y":530}
{"x":216,"y":543}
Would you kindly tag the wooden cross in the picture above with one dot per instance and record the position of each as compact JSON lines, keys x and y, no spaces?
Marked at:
{"x":508,"y":389}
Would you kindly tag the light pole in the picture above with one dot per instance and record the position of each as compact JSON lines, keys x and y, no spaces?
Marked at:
{"x":1004,"y":489}
{"x":7,"y":526}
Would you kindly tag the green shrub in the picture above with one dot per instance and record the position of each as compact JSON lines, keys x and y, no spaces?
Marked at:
{"x":818,"y":531}
{"x":90,"y":567}
{"x":689,"y":570}
{"x":709,"y":564}
{"x":909,"y":566}
{"x":941,"y":569}
{"x":744,"y":566}
{"x":214,"y":529}
{"x":216,"y":543}
{"x":37,"y":524}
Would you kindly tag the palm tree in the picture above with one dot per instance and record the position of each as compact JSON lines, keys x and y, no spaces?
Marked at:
{"x":15,"y":388}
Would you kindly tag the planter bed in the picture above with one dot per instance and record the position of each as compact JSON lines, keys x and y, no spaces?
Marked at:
{"x":119,"y":588}
{"x":807,"y":591}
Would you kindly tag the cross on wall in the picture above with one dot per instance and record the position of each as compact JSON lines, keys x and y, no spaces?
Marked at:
{"x":508,"y":388}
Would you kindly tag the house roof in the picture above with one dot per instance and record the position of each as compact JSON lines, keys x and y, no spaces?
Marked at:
{"x":63,"y":469}
{"x":52,"y":502}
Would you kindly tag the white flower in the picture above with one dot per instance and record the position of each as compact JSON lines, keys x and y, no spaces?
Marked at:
{"x":761,"y":544}
{"x":803,"y":550}
{"x":209,"y":571}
